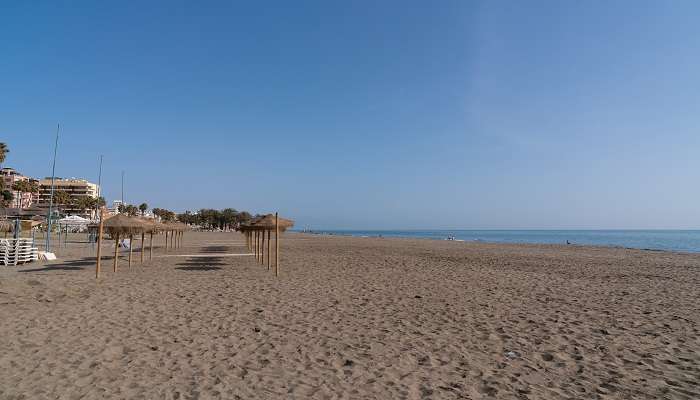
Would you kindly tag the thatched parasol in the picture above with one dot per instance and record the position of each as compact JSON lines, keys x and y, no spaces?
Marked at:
{"x":268,"y":222}
{"x":179,"y":230}
{"x":174,"y":229}
{"x":262,"y":227}
{"x":122,"y":225}
{"x":151,"y":227}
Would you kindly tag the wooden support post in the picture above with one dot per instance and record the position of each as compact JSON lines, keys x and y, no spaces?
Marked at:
{"x":269,"y":239}
{"x":277,"y":245}
{"x":150,"y":248}
{"x":166,"y":241}
{"x":131,"y":248}
{"x":116,"y":252}
{"x":143,"y":247}
{"x":99,"y":245}
{"x":262,"y":248}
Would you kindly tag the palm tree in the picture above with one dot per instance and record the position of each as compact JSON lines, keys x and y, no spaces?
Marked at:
{"x":228,"y":216}
{"x":84,"y":203}
{"x":143,"y":207}
{"x":61,"y":198}
{"x":5,"y":198}
{"x":3,"y":152}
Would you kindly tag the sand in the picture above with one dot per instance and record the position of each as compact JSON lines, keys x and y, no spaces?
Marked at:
{"x":354,"y":318}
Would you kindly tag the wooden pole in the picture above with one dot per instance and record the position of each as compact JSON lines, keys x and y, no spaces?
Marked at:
{"x":143,"y":247}
{"x":262,"y":248}
{"x":269,"y":239}
{"x":99,"y":245}
{"x":116,"y":252}
{"x":277,"y":245}
{"x":150,"y":248}
{"x":131,"y":248}
{"x":166,"y":241}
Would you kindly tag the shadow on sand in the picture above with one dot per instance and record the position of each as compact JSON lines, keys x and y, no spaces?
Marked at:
{"x":209,"y":263}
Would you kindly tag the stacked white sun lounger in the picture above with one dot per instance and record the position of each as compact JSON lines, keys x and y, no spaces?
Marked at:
{"x":17,"y":251}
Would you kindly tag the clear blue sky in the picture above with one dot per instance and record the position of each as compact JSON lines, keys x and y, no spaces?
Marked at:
{"x":351,"y":114}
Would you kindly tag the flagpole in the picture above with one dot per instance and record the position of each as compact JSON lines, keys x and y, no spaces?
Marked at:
{"x":53,"y":179}
{"x":99,"y":187}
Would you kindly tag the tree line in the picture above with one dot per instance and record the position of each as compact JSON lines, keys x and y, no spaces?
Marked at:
{"x":209,"y":218}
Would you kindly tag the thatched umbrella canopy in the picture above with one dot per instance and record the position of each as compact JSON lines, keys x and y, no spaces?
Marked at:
{"x":244,"y":227}
{"x":176,"y":229}
{"x":151,"y":227}
{"x":123,"y":225}
{"x":268,"y":223}
{"x":261,"y":229}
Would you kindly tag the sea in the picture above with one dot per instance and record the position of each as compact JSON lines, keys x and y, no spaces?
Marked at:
{"x":668,"y":240}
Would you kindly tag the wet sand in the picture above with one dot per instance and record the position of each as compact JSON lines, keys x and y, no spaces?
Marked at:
{"x":354,"y":318}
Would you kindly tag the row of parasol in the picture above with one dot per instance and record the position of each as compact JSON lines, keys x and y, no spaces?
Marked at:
{"x":122,"y":226}
{"x":258,"y":233}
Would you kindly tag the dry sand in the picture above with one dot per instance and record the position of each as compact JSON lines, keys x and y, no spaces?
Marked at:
{"x":355,"y":318}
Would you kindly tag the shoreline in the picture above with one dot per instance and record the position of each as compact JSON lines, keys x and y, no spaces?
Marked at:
{"x":488,"y":242}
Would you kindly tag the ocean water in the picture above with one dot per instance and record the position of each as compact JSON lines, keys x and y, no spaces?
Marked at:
{"x":670,"y":240}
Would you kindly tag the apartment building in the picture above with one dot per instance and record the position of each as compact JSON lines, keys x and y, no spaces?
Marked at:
{"x":10,"y":176}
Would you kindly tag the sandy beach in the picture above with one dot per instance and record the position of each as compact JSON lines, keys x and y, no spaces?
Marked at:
{"x":354,"y":318}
